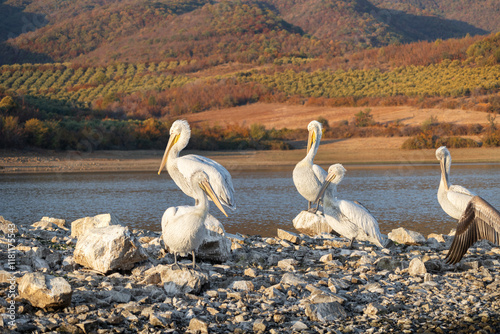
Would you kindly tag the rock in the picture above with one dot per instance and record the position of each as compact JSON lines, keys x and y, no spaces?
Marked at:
{"x":5,"y":277}
{"x":51,"y":224}
{"x":388,"y":263}
{"x":407,"y":237}
{"x":325,"y":312}
{"x":416,"y":267}
{"x":289,"y":236}
{"x":288,"y":264}
{"x":373,"y":309}
{"x":182,"y":281}
{"x":82,"y":225}
{"x":292,"y":279}
{"x":438,"y":237}
{"x":216,"y":247}
{"x":311,"y":224}
{"x":7,"y":227}
{"x":242,"y":286}
{"x":259,"y":326}
{"x":198,"y":325}
{"x":45,"y":291}
{"x":108,"y":248}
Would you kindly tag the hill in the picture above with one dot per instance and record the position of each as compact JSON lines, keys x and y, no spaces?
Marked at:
{"x":106,"y":31}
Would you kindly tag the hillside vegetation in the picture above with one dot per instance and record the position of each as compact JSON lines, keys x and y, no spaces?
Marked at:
{"x":93,"y":74}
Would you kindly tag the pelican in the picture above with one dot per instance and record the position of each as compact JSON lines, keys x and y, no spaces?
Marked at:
{"x":307,"y":176}
{"x":183,"y":227}
{"x":452,"y":198}
{"x":350,"y":219}
{"x":182,"y":168}
{"x":479,"y":221}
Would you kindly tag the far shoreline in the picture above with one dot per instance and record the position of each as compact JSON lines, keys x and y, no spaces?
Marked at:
{"x":354,"y":153}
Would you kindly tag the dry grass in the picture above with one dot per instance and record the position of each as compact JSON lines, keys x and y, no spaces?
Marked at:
{"x":280,"y":116}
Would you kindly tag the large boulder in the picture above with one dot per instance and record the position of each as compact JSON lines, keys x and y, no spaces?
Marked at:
{"x":216,"y":247}
{"x":311,"y":224}
{"x":404,"y":236}
{"x":108,"y":248}
{"x":82,"y":225}
{"x":45,"y":291}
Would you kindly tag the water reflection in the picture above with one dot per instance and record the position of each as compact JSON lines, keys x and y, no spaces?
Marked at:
{"x":266,"y":200}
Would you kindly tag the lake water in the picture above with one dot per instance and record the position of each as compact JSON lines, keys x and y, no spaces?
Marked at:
{"x":397,"y":195}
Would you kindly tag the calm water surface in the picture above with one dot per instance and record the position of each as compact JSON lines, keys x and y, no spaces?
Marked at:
{"x":267,"y":200}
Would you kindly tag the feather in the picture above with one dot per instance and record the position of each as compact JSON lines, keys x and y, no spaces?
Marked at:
{"x":479,"y":221}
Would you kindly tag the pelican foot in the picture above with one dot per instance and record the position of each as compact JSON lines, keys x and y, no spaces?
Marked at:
{"x":312,"y":210}
{"x":176,"y":266}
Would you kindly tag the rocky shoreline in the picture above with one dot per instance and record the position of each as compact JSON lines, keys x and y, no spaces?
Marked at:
{"x":289,"y":283}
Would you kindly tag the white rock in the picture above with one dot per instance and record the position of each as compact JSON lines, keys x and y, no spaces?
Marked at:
{"x":108,"y":248}
{"x":181,"y":281}
{"x":242,"y":286}
{"x":216,"y":246}
{"x":288,"y":264}
{"x":82,"y":225}
{"x":45,"y":291}
{"x":416,"y":267}
{"x":311,"y":224}
{"x":404,"y":236}
{"x":325,"y":312}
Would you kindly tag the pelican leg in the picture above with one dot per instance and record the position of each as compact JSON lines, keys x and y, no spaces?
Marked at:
{"x":350,"y":243}
{"x":311,"y":209}
{"x":176,"y":265}
{"x":194,"y":265}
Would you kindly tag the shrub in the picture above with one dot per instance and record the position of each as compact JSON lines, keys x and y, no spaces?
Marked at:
{"x":364,"y":118}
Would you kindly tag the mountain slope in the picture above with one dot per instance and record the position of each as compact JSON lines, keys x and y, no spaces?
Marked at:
{"x":105,"y":31}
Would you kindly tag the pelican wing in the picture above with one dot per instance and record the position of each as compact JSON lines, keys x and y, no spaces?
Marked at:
{"x":172,"y":213}
{"x":365,"y":221}
{"x":459,"y":197}
{"x":338,"y":222}
{"x":479,"y":221}
{"x":218,"y":176}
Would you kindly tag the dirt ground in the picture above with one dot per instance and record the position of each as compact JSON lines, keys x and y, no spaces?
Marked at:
{"x":357,"y":151}
{"x":354,"y":151}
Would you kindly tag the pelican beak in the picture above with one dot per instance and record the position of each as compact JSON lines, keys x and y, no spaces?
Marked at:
{"x":171,"y":142}
{"x":310,"y":140}
{"x":207,"y":188}
{"x":329,"y":178}
{"x":443,"y":173}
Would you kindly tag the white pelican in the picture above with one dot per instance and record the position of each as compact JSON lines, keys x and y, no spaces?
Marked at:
{"x":350,"y":219}
{"x":307,"y":176}
{"x":182,"y":168}
{"x":479,"y":221}
{"x":183,"y":227}
{"x":452,"y":198}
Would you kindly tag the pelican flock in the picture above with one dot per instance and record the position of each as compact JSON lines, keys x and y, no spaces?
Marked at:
{"x":350,"y":219}
{"x":183,"y":227}
{"x":307,"y":176}
{"x":452,"y":198}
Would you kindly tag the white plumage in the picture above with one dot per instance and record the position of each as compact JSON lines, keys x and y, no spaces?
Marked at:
{"x":452,"y":198}
{"x":182,"y":168}
{"x":307,"y":176}
{"x":347,"y":218}
{"x":183,"y":227}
